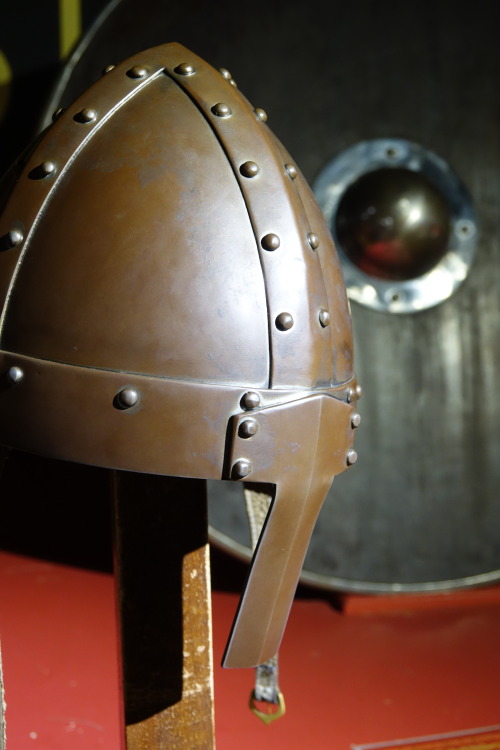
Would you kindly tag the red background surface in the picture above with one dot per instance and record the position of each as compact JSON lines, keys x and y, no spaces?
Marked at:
{"x":384,"y":668}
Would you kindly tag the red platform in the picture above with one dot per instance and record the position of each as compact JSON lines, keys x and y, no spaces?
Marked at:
{"x":385,"y":669}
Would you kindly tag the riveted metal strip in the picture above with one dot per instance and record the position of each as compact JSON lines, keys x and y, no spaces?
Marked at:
{"x":62,"y":142}
{"x":300,"y":346}
{"x":106,"y":418}
{"x":256,"y":437}
{"x":339,"y":326}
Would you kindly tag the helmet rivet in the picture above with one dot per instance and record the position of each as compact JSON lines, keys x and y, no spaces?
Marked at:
{"x":15,"y":374}
{"x":359,"y":391}
{"x":291,"y":171}
{"x":47,"y":167}
{"x":261,"y":114}
{"x":355,"y":419}
{"x":284,"y":321}
{"x":248,"y":428}
{"x":13,"y":238}
{"x":138,"y":71}
{"x":44,"y":169}
{"x":241,"y":469}
{"x":250,"y":401}
{"x":270,"y":242}
{"x":225,"y":73}
{"x":233,"y":83}
{"x":352,"y":457}
{"x":127,"y":398}
{"x":185,"y":69}
{"x":221,"y":110}
{"x":108,"y":69}
{"x":57,"y":113}
{"x":249,"y":169}
{"x":351,"y":395}
{"x":324,"y":318}
{"x":313,"y":240}
{"x":86,"y":115}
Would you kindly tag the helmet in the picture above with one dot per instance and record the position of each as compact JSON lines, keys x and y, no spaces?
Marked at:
{"x":173,"y":304}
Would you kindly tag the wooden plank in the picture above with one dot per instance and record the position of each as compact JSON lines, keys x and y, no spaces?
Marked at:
{"x":163,"y":578}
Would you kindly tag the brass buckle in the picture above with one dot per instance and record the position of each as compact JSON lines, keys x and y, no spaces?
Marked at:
{"x":267,"y":718}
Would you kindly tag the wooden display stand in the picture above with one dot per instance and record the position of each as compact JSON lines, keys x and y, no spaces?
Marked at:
{"x":163,"y":578}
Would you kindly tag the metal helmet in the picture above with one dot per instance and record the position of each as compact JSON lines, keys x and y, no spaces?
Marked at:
{"x":173,"y":304}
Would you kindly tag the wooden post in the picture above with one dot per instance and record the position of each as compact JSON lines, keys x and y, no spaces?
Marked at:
{"x":163,"y":578}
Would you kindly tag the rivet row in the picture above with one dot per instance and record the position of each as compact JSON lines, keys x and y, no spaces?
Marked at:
{"x":126,"y":398}
{"x":129,"y":397}
{"x":249,"y":169}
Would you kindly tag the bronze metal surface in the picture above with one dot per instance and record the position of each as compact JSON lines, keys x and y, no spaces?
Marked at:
{"x":421,"y":510}
{"x":393,"y":223}
{"x":319,"y":428}
{"x":109,"y":157}
{"x":176,"y":427}
{"x":144,"y":317}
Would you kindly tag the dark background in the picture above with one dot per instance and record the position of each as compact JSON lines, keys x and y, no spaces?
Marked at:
{"x":30,"y":43}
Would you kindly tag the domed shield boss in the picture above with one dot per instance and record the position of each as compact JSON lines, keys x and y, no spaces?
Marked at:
{"x":173,"y":304}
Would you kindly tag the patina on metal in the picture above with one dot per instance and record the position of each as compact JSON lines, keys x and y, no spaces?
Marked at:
{"x":144,"y":319}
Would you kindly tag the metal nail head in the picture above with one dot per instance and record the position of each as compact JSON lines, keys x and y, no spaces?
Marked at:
{"x":241,"y":469}
{"x":248,"y":428}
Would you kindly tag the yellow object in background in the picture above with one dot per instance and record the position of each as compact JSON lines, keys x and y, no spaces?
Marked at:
{"x":5,"y":79}
{"x":70,"y":25}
